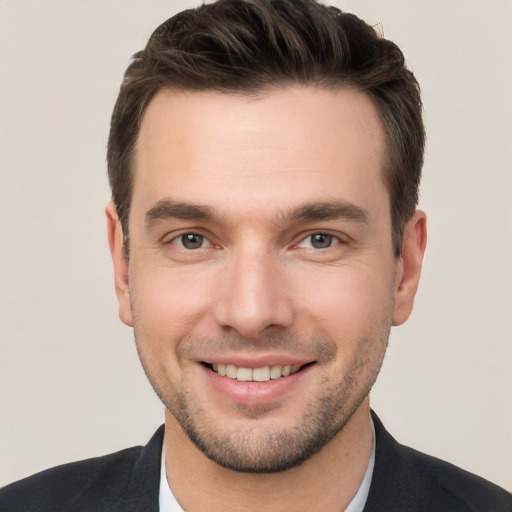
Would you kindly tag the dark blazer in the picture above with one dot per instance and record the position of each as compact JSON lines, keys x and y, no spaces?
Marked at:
{"x":404,"y":480}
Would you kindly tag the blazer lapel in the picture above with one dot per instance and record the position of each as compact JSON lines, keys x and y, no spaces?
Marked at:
{"x":143,"y":490}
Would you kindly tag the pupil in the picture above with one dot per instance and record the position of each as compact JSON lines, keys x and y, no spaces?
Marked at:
{"x":321,"y":241}
{"x":191,"y":241}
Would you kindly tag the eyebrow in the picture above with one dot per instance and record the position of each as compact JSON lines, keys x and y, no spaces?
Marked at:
{"x":309,"y":212}
{"x":170,"y":209}
{"x":328,"y":210}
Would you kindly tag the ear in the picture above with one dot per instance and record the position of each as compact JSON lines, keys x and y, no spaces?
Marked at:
{"x":409,"y":266}
{"x":115,"y":241}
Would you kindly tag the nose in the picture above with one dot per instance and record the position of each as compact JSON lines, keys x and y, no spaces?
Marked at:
{"x":254,"y":295}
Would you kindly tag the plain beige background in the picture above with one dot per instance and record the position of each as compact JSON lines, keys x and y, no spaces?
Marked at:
{"x":70,"y":382}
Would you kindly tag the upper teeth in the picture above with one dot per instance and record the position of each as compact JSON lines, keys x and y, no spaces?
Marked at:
{"x":262,"y":374}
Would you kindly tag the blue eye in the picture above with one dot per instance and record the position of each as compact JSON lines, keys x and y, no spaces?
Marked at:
{"x":191,"y":241}
{"x":318,"y":241}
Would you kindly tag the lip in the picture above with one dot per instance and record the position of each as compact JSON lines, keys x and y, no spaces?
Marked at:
{"x":254,"y":393}
{"x":242,"y":361}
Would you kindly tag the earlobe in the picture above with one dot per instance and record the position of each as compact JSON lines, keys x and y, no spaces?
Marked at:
{"x":411,"y":260}
{"x":115,"y":241}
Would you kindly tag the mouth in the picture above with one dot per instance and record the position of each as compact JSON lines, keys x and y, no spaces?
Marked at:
{"x":262,"y":374}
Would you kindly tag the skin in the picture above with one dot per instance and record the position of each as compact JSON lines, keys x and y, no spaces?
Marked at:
{"x":257,"y":177}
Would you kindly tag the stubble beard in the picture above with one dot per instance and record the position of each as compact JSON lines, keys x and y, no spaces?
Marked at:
{"x":269,"y":450}
{"x":261,"y":450}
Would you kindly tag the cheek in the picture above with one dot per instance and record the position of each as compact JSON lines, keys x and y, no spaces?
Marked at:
{"x":167,"y":305}
{"x":348,"y":301}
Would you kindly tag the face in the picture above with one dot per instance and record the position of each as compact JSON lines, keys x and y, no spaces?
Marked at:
{"x":261,"y":283}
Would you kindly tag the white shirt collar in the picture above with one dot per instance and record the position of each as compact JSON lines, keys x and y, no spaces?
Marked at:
{"x":168,"y":503}
{"x":359,"y":500}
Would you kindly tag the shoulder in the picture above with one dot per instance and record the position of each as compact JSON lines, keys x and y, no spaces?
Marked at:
{"x":125,"y":481}
{"x":441,"y":483}
{"x":63,"y":487}
{"x":414,"y":481}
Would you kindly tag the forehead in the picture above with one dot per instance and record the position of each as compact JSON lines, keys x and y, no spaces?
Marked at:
{"x":289,"y":144}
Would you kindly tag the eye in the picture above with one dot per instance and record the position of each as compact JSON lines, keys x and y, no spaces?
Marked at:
{"x":319,"y":241}
{"x":191,"y":241}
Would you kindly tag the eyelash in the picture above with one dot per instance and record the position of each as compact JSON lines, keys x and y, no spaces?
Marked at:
{"x":332,"y":239}
{"x":178,"y":240}
{"x":323,"y":238}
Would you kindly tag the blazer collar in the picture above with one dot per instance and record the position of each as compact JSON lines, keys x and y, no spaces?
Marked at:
{"x":143,"y":490}
{"x":389,"y":473}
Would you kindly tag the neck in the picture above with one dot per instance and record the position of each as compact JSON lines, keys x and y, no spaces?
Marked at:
{"x":326,"y":481}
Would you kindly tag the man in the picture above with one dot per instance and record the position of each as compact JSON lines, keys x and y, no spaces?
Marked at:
{"x":264,"y":159}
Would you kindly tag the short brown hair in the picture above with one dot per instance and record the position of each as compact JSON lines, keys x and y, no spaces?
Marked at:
{"x":248,"y":46}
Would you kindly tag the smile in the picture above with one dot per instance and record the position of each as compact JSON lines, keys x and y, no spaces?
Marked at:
{"x":263,"y":374}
